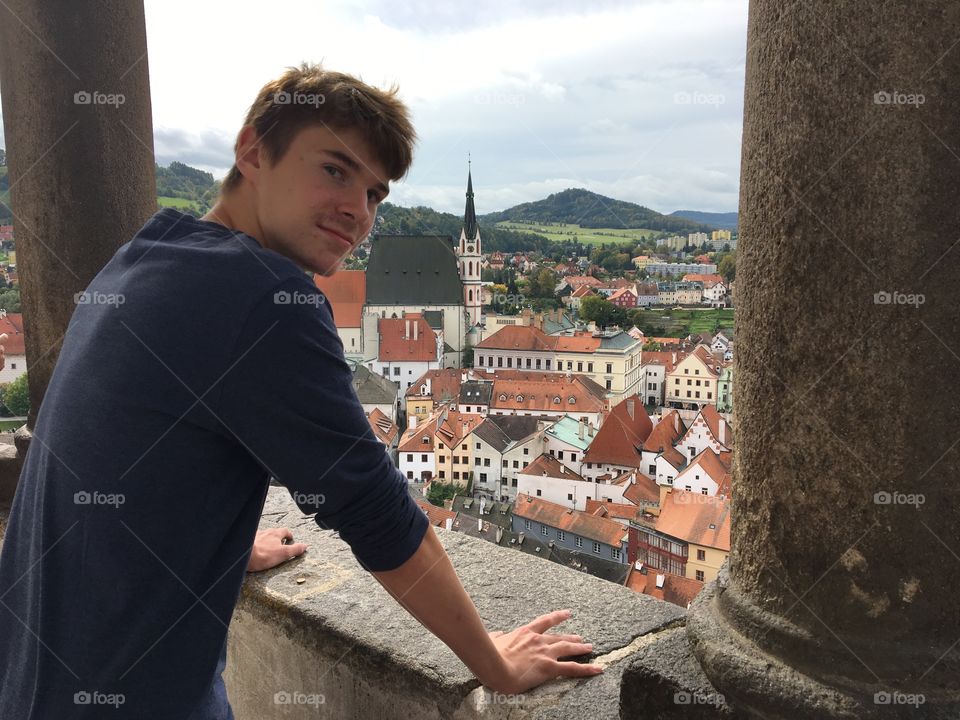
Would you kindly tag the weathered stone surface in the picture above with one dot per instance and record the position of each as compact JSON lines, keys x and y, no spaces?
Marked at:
{"x":847,"y":343}
{"x":10,"y":465}
{"x":339,"y":634}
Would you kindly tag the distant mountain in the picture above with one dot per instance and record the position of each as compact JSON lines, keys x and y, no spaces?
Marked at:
{"x":717,"y":221}
{"x":186,"y":188}
{"x":395,"y":220}
{"x":591,"y":210}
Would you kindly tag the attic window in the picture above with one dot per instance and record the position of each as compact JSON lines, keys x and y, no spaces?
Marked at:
{"x":502,"y":396}
{"x":425,"y":440}
{"x":572,"y":400}
{"x":519,"y":398}
{"x":556,"y":400}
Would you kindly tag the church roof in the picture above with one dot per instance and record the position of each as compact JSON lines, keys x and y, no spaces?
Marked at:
{"x":469,"y":213}
{"x":413,"y":270}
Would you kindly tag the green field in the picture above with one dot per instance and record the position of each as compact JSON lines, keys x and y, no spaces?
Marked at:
{"x":174,"y":202}
{"x":588,"y":236}
{"x":678,"y":323}
{"x":10,"y":424}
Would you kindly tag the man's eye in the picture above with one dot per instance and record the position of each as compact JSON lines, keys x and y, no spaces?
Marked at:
{"x":333,"y":170}
{"x":373,"y":196}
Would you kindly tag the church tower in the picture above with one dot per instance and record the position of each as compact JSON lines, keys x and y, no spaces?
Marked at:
{"x":470,"y":258}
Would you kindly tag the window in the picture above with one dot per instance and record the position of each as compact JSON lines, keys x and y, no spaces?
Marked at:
{"x":519,"y":398}
{"x":409,"y":474}
{"x":483,"y":477}
{"x":688,"y":381}
{"x":697,"y":371}
{"x":609,"y":367}
{"x":514,"y":483}
{"x":499,"y":362}
{"x":463,"y":447}
{"x":409,"y":457}
{"x":687,"y":488}
{"x":709,"y":395}
{"x":538,"y":363}
{"x":561,"y":535}
{"x":425,"y":440}
{"x":525,"y":463}
{"x":548,"y":363}
{"x":688,"y":393}
{"x":579,"y":541}
{"x":573,"y":457}
{"x":509,"y":362}
{"x":556,"y":400}
{"x":543,"y":528}
{"x":478,"y":446}
{"x":456,"y":459}
{"x":423,"y":458}
{"x":596,"y":548}
{"x":700,"y":576}
{"x":456,"y":476}
{"x":697,"y":393}
{"x":516,"y":464}
{"x":503,"y":481}
{"x":615,"y":553}
{"x":589,"y":367}
{"x":396,"y":370}
{"x":441,"y":458}
{"x":439,"y":446}
{"x":527,"y":525}
{"x":528,"y":363}
{"x":476,"y":461}
{"x":572,"y":400}
{"x":676,"y":381}
{"x":480,"y":360}
{"x":579,"y":367}
{"x":486,"y":462}
{"x":703,"y":491}
{"x":569,"y":496}
{"x":505,"y":463}
{"x":443,"y":474}
{"x":552,"y":453}
{"x":526,"y":451}
{"x":560,"y":455}
{"x":686,"y":371}
{"x":609,"y":384}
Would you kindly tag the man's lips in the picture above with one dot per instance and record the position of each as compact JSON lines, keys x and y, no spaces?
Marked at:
{"x":337,"y":234}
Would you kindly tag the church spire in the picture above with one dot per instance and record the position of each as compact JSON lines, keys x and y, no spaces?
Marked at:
{"x":469,"y":214}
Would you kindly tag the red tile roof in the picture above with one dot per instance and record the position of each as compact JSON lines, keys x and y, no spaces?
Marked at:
{"x":695,"y":518}
{"x":709,"y":461}
{"x":643,"y":491}
{"x":666,"y":433}
{"x":677,"y":590}
{"x":708,"y":280}
{"x":383,"y":427}
{"x":541,"y":394}
{"x":612,"y":510}
{"x":453,"y":426}
{"x":623,"y":431}
{"x":557,"y":516}
{"x":713,"y":420}
{"x":437,"y":515}
{"x":669,"y":360}
{"x":12,"y":325}
{"x":407,"y":339}
{"x":444,"y":384}
{"x":582,"y":291}
{"x":548,"y":466}
{"x":347,"y":292}
{"x":576,"y":281}
{"x":412,"y":440}
{"x":519,"y":337}
{"x":621,"y":292}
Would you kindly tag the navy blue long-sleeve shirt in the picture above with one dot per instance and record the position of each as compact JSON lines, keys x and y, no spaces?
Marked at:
{"x":196,"y":366}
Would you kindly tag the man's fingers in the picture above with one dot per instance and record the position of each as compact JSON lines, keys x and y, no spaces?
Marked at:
{"x":575,"y":669}
{"x":497,"y":633}
{"x":285,"y":533}
{"x":545,"y":622}
{"x":295,"y":549}
{"x":555,"y":638}
{"x":570,"y":649}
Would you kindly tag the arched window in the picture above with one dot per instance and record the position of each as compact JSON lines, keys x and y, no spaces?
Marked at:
{"x":471,"y":267}
{"x":519,"y":398}
{"x":470,"y":293}
{"x":556,"y":400}
{"x":572,"y":400}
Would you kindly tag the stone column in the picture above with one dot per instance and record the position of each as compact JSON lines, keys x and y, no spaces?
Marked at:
{"x":840,"y":598}
{"x":79,"y":141}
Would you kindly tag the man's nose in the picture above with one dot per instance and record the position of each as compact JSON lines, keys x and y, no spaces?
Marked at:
{"x":353,"y":203}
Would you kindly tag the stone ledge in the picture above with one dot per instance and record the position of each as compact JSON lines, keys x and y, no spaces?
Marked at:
{"x":338,"y":635}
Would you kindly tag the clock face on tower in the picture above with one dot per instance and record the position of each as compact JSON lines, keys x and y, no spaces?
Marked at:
{"x":470,"y":248}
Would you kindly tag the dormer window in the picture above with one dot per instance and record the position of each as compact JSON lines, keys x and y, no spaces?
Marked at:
{"x":572,"y":400}
{"x":556,"y":400}
{"x":519,"y":398}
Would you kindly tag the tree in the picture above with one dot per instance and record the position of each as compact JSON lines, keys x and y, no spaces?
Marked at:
{"x":16,"y":396}
{"x":438,"y":492}
{"x":467,"y":355}
{"x":3,"y":157}
{"x":728,"y":266}
{"x":598,"y":309}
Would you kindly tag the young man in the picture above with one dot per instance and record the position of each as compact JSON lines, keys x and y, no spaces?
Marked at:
{"x":201,"y":362}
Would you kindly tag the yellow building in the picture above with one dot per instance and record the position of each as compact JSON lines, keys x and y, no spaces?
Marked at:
{"x":702,"y":522}
{"x":721,"y":235}
{"x":693,"y":381}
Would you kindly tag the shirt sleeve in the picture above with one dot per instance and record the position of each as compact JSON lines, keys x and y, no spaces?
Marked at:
{"x":289,"y":399}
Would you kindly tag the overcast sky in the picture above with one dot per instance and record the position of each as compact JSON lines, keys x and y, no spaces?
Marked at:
{"x":640,"y":101}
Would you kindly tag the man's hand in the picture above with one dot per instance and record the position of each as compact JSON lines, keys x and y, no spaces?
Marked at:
{"x":269,"y":550}
{"x":532,"y":655}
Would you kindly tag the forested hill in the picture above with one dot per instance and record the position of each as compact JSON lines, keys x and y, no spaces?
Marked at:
{"x":590,"y":210}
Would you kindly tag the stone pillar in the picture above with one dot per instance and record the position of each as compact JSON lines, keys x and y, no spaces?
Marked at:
{"x":79,"y":141}
{"x":840,"y":598}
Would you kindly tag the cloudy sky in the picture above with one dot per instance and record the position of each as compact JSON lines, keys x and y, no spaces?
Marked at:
{"x":640,"y":101}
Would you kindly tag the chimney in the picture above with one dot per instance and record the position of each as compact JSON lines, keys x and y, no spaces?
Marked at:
{"x":480,"y":524}
{"x":630,"y":408}
{"x":412,"y":423}
{"x":674,"y":358}
{"x":428,"y":383}
{"x":590,"y":430}
{"x":449,"y":523}
{"x":406,"y":331}
{"x":416,"y":329}
{"x":581,"y":430}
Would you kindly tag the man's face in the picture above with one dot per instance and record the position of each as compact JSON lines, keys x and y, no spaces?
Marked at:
{"x":320,"y":200}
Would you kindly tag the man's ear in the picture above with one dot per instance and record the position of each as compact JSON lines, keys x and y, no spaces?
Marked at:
{"x":250,"y":154}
